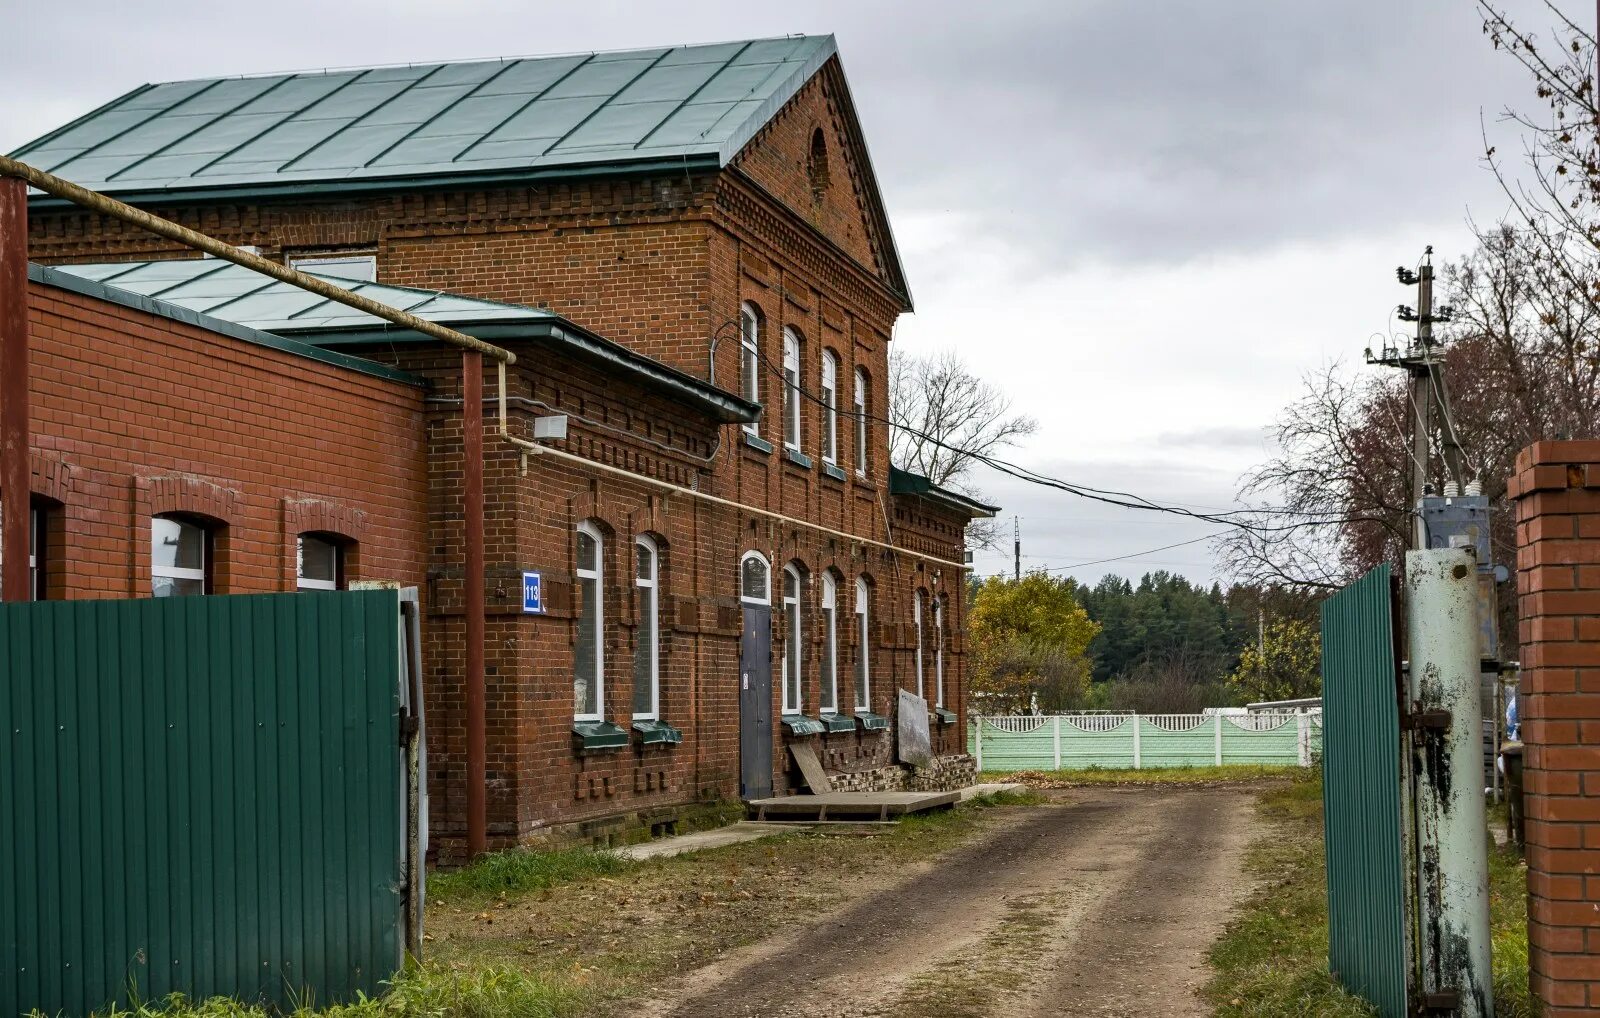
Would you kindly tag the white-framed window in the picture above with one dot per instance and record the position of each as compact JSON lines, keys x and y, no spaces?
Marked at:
{"x":861,"y":422}
{"x":363,"y":267}
{"x":830,"y":645}
{"x":180,"y":550}
{"x":863,"y":638}
{"x":755,"y":579}
{"x":589,"y":661}
{"x":830,"y":407}
{"x":793,"y":638}
{"x":36,"y":578}
{"x":916,"y":622}
{"x":647,"y":637}
{"x":791,"y":389}
{"x":938,"y":652}
{"x":320,"y":563}
{"x":750,"y":358}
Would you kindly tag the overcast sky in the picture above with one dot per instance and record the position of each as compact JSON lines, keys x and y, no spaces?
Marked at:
{"x":1145,"y":221}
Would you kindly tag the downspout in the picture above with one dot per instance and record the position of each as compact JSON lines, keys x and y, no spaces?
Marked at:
{"x":14,"y":441}
{"x":15,"y":480}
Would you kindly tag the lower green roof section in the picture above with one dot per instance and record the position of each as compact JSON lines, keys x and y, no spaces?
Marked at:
{"x":871,"y":722}
{"x":657,"y":733}
{"x":838,"y":722}
{"x":599,"y":735}
{"x":799,"y":724}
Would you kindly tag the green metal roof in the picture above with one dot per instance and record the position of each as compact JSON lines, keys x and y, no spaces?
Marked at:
{"x":56,"y":277}
{"x":653,"y":106}
{"x":905,"y":482}
{"x":222,"y":292}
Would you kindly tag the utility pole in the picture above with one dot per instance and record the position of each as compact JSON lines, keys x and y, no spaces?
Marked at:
{"x":1016,"y":547}
{"x":1427,"y":393}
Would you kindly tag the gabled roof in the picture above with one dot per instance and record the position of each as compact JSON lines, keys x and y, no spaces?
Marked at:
{"x":213,"y":291}
{"x":593,"y":112}
{"x":905,"y":482}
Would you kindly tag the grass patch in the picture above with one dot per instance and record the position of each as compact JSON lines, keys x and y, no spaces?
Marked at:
{"x":524,"y":870}
{"x":427,"y":992}
{"x":1273,"y":959}
{"x":1225,"y":775}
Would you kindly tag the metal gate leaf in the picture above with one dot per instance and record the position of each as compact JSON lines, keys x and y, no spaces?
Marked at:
{"x":1362,"y":794}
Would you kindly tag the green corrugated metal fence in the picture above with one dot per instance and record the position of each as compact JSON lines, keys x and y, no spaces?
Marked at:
{"x":201,"y":795}
{"x":1361,"y":794}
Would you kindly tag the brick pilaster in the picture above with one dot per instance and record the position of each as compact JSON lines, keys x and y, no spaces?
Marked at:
{"x":1556,"y":492}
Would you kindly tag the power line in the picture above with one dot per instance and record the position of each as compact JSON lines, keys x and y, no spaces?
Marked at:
{"x":1136,"y":554}
{"x":1123,"y":499}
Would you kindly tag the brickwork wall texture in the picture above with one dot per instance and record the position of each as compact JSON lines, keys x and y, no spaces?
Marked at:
{"x":1557,"y":495}
{"x":662,"y":265}
{"x":134,"y":415}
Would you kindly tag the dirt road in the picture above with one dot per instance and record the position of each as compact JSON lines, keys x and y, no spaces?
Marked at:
{"x":1101,"y":904}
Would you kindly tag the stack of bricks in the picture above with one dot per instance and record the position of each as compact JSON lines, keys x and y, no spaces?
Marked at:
{"x":1556,"y":491}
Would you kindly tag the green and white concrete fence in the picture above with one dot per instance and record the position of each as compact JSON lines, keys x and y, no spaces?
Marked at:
{"x":1073,"y":741}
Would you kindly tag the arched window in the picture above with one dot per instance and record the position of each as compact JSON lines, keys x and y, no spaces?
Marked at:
{"x":817,"y":165}
{"x":829,"y":665}
{"x":588,"y":671}
{"x":916,"y":622}
{"x":647,"y":637}
{"x":938,"y":652}
{"x":754,"y":579}
{"x":861,"y":422}
{"x":793,"y":636}
{"x":320,"y":562}
{"x":863,"y":629}
{"x":791,"y":389}
{"x":750,"y":357}
{"x":830,"y":408}
{"x":180,"y":557}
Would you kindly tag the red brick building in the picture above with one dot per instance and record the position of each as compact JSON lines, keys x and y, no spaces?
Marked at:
{"x":658,"y":228}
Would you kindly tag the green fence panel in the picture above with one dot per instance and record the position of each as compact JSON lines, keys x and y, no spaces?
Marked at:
{"x":199,"y":795}
{"x":1361,"y":794}
{"x":1190,"y":747}
{"x":1112,"y":748}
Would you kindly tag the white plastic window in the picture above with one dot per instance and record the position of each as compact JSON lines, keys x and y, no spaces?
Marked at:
{"x":830,"y":646}
{"x":791,"y":389}
{"x":863,"y":666}
{"x":319,"y":563}
{"x":793,"y":637}
{"x":647,"y":638}
{"x":588,"y":678}
{"x":754,"y":578}
{"x":35,"y":534}
{"x":178,"y":552}
{"x":750,"y":358}
{"x":861,"y":422}
{"x":916,"y":622}
{"x":830,"y":408}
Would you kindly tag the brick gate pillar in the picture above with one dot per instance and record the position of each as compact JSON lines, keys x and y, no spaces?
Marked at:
{"x":1556,"y":491}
